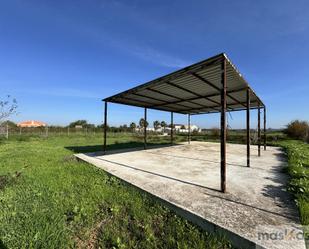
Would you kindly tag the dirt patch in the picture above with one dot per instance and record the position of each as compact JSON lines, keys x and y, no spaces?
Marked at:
{"x":6,"y":180}
{"x":69,"y":159}
{"x":93,"y":237}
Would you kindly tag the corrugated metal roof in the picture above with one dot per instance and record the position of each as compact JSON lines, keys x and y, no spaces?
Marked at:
{"x":192,"y":90}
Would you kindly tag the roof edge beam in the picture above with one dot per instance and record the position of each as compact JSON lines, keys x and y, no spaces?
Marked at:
{"x":217,"y":106}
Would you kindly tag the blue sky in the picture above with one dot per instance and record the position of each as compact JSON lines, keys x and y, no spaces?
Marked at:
{"x":60,"y":58}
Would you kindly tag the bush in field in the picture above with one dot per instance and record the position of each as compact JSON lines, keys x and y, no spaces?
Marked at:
{"x":195,"y":132}
{"x":215,"y":132}
{"x":297,"y":129}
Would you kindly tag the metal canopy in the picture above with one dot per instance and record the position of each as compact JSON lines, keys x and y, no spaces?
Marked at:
{"x":210,"y":86}
{"x":195,"y":89}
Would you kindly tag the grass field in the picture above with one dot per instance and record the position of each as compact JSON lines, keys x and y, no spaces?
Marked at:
{"x":50,"y":200}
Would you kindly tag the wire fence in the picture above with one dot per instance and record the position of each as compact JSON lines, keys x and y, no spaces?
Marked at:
{"x":7,"y":131}
{"x":4,"y":131}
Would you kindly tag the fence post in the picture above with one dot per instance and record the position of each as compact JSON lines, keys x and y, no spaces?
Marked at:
{"x":7,"y":129}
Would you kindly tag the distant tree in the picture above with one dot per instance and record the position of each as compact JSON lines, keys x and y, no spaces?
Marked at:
{"x":90,"y":126}
{"x":163,"y":124}
{"x":123,"y":128}
{"x":132,"y":126}
{"x":183,"y":127}
{"x":143,"y":123}
{"x":7,"y":108}
{"x":81,"y":122}
{"x":101,"y":126}
{"x":156,"y":124}
{"x":297,"y":129}
{"x":11,"y":124}
{"x":215,"y":132}
{"x":195,"y":132}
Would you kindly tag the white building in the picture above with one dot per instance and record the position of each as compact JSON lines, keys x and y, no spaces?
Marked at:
{"x":177,"y":128}
{"x":185,"y":128}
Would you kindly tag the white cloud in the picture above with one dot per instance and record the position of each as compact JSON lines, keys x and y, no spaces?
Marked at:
{"x":129,"y":45}
{"x":62,"y":92}
{"x":157,"y":57}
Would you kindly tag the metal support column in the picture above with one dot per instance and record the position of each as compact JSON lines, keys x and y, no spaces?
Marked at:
{"x":172,"y":127}
{"x":105,"y":126}
{"x":264,"y":128}
{"x":145,"y":128}
{"x":248,"y":127}
{"x":259,"y":130}
{"x":189,"y":128}
{"x":223,"y":127}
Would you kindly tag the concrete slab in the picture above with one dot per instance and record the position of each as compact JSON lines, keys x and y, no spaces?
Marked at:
{"x":256,"y":207}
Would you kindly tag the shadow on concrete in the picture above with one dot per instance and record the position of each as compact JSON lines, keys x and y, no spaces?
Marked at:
{"x":117,"y":148}
{"x":272,"y":192}
{"x":157,"y":174}
{"x":196,"y":159}
{"x":278,"y":191}
{"x":138,"y":146}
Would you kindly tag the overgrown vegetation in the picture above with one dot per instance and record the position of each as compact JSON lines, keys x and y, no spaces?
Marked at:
{"x":298,"y":168}
{"x":298,"y":164}
{"x":298,"y":130}
{"x":49,"y":200}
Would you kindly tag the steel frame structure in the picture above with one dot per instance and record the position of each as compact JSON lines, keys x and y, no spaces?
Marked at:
{"x":181,"y":104}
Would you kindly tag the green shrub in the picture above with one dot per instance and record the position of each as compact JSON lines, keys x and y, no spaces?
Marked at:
{"x":297,"y":129}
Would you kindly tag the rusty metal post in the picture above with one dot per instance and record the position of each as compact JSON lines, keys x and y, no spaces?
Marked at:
{"x":189,"y":128}
{"x":259,"y":130}
{"x":248,"y":127}
{"x":172,"y":127}
{"x":145,"y":128}
{"x":223,"y":127}
{"x":105,"y":126}
{"x":264,"y":128}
